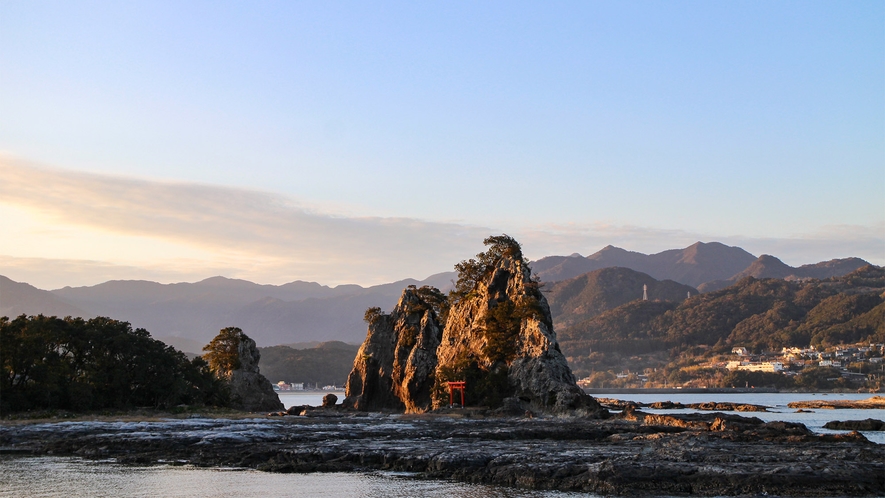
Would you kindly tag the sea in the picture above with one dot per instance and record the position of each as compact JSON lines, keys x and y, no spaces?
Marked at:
{"x":50,"y":476}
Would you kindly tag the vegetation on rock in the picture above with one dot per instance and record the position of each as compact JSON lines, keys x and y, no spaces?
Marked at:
{"x":222,"y":352}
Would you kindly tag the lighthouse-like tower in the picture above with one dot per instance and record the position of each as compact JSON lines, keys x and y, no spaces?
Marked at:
{"x":644,"y":292}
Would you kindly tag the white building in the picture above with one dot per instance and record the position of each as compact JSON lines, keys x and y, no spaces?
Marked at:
{"x":764,"y":366}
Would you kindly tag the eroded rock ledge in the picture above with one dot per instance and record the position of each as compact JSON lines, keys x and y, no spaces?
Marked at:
{"x":702,"y":454}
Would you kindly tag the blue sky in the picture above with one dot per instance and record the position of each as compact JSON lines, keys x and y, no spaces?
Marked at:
{"x":371,"y":142}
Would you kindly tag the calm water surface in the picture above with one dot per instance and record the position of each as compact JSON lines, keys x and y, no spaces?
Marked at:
{"x":51,"y":477}
{"x":777,"y":407}
{"x":776,"y":403}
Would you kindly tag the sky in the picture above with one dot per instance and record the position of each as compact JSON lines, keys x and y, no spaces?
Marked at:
{"x":366,"y":142}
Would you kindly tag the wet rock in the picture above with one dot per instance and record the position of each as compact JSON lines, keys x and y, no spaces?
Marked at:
{"x":734,"y":456}
{"x":329,"y":400}
{"x":296,"y":410}
{"x":665,"y":405}
{"x":869,"y":424}
{"x":725,"y":406}
{"x":873,"y":403}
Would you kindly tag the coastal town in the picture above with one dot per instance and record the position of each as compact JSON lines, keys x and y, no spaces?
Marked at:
{"x":852,"y":367}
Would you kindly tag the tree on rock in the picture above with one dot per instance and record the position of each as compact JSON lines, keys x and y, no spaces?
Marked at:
{"x":223,"y":352}
{"x":234,"y":357}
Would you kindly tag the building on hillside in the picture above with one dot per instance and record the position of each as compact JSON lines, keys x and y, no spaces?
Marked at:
{"x":740,"y":351}
{"x":763,"y":366}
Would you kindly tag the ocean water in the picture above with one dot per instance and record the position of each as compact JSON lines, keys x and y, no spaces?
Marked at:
{"x":312,"y":398}
{"x":775,"y":402}
{"x":57,"y":477}
{"x":777,"y":407}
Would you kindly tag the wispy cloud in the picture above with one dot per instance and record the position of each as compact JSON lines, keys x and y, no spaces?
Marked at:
{"x":258,"y":228}
{"x":267,"y":237}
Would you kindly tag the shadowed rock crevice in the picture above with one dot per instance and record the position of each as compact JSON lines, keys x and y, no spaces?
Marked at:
{"x":394,"y":367}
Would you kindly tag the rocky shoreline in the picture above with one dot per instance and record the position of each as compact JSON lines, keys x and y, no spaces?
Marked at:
{"x":718,"y":406}
{"x":876,"y":402}
{"x":709,"y":454}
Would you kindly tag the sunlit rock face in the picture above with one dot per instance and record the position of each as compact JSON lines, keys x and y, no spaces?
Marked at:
{"x":393,"y":370}
{"x":249,"y":390}
{"x":499,"y":338}
{"x":493,"y":332}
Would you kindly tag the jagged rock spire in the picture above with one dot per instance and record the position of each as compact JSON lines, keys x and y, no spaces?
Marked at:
{"x":394,"y":367}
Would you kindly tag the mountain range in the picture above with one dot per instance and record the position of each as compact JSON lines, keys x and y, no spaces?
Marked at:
{"x":188,"y":315}
{"x":706,"y":266}
{"x":759,"y":314}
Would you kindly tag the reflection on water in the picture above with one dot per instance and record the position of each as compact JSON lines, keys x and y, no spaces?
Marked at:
{"x":66,"y":477}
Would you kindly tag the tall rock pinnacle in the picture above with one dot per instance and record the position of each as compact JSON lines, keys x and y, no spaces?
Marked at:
{"x":494,"y":332}
{"x":499,"y":338}
{"x":394,"y":368}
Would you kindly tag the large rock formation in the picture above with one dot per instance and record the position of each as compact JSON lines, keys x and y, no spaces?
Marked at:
{"x":394,"y":367}
{"x":497,"y":336}
{"x":249,"y":390}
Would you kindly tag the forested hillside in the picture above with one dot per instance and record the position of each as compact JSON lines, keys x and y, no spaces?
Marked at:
{"x":758,"y":314}
{"x":327,"y":364}
{"x":583,"y":297}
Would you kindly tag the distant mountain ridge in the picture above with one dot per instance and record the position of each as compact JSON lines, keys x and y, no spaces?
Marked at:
{"x":18,"y":298}
{"x":705,"y":266}
{"x":188,"y":315}
{"x":767,"y":266}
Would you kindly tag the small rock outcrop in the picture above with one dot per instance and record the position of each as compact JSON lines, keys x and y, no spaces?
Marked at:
{"x":869,"y":424}
{"x":249,"y":390}
{"x":394,"y":367}
{"x":329,"y":400}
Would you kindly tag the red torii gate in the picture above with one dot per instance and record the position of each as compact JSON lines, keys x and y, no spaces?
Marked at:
{"x":459,"y":385}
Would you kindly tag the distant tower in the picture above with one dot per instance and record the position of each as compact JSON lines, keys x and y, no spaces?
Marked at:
{"x":687,"y":294}
{"x":644,"y":292}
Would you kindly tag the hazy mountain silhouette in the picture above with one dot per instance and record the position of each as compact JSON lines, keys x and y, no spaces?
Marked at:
{"x":767,"y":266}
{"x":694,"y":265}
{"x":18,"y":298}
{"x":188,"y":315}
{"x":706,"y":266}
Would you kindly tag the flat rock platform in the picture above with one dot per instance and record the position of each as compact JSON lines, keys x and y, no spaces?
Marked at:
{"x":710,"y":454}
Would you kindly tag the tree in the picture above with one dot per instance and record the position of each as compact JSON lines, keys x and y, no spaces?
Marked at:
{"x":223,"y":353}
{"x":372,"y":315}
{"x":76,"y":364}
{"x":472,"y":271}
